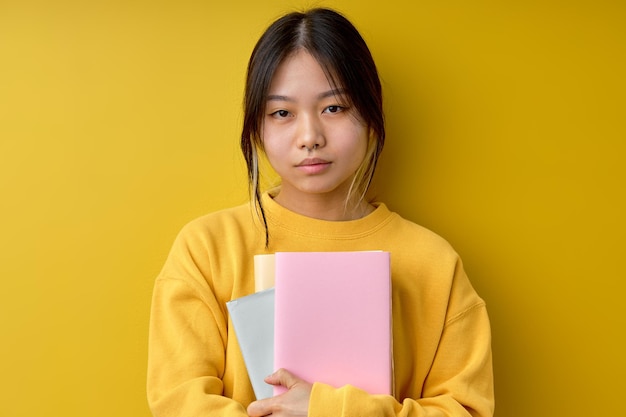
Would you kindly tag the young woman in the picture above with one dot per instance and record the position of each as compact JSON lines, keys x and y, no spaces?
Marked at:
{"x":313,"y":107}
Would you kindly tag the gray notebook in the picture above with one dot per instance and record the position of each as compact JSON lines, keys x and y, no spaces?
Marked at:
{"x":253,"y":319}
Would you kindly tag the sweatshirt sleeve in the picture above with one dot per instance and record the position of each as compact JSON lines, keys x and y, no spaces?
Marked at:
{"x":186,"y":357}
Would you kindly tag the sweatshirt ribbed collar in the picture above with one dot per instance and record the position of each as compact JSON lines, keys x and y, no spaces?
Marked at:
{"x":287,"y":220}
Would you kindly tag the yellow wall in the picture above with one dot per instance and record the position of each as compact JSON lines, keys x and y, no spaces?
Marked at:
{"x":119,"y":122}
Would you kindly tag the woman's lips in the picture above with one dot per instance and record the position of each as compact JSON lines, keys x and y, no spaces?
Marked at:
{"x":313,"y":165}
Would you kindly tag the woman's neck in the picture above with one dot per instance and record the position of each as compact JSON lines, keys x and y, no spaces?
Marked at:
{"x":324,"y":207}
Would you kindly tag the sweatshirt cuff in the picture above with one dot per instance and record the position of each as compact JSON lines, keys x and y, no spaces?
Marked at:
{"x":347,"y":401}
{"x":326,"y":400}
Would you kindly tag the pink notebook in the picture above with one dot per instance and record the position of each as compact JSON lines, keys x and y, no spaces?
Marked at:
{"x":332,"y":318}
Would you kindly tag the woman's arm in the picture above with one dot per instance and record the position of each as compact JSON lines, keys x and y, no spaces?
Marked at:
{"x":187,"y":350}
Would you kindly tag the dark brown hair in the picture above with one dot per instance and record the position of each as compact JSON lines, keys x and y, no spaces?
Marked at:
{"x":345,"y":58}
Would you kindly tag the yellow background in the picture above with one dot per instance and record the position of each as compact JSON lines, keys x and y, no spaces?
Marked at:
{"x":119,"y":123}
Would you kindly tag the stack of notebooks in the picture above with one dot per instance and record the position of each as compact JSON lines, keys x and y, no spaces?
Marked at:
{"x":324,"y":316}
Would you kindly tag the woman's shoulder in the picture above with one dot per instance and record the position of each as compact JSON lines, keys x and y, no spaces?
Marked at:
{"x":222,"y":231}
{"x":217,"y":224}
{"x":405,"y":228}
{"x":221,"y":217}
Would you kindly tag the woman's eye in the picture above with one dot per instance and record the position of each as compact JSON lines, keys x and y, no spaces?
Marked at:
{"x":280,"y":113}
{"x":333,"y":109}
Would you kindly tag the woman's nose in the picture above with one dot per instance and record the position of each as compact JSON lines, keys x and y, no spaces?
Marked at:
{"x":310,"y":133}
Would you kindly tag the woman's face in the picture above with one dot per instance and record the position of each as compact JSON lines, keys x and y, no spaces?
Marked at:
{"x":313,"y":140}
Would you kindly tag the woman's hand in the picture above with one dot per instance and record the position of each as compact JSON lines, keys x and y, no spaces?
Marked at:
{"x":294,"y":402}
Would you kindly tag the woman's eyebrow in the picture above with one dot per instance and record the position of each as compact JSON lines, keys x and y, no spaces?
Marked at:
{"x":332,"y":93}
{"x":325,"y":94}
{"x":277,"y":97}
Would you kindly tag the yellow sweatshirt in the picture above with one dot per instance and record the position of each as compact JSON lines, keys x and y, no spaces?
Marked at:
{"x":441,"y":334}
